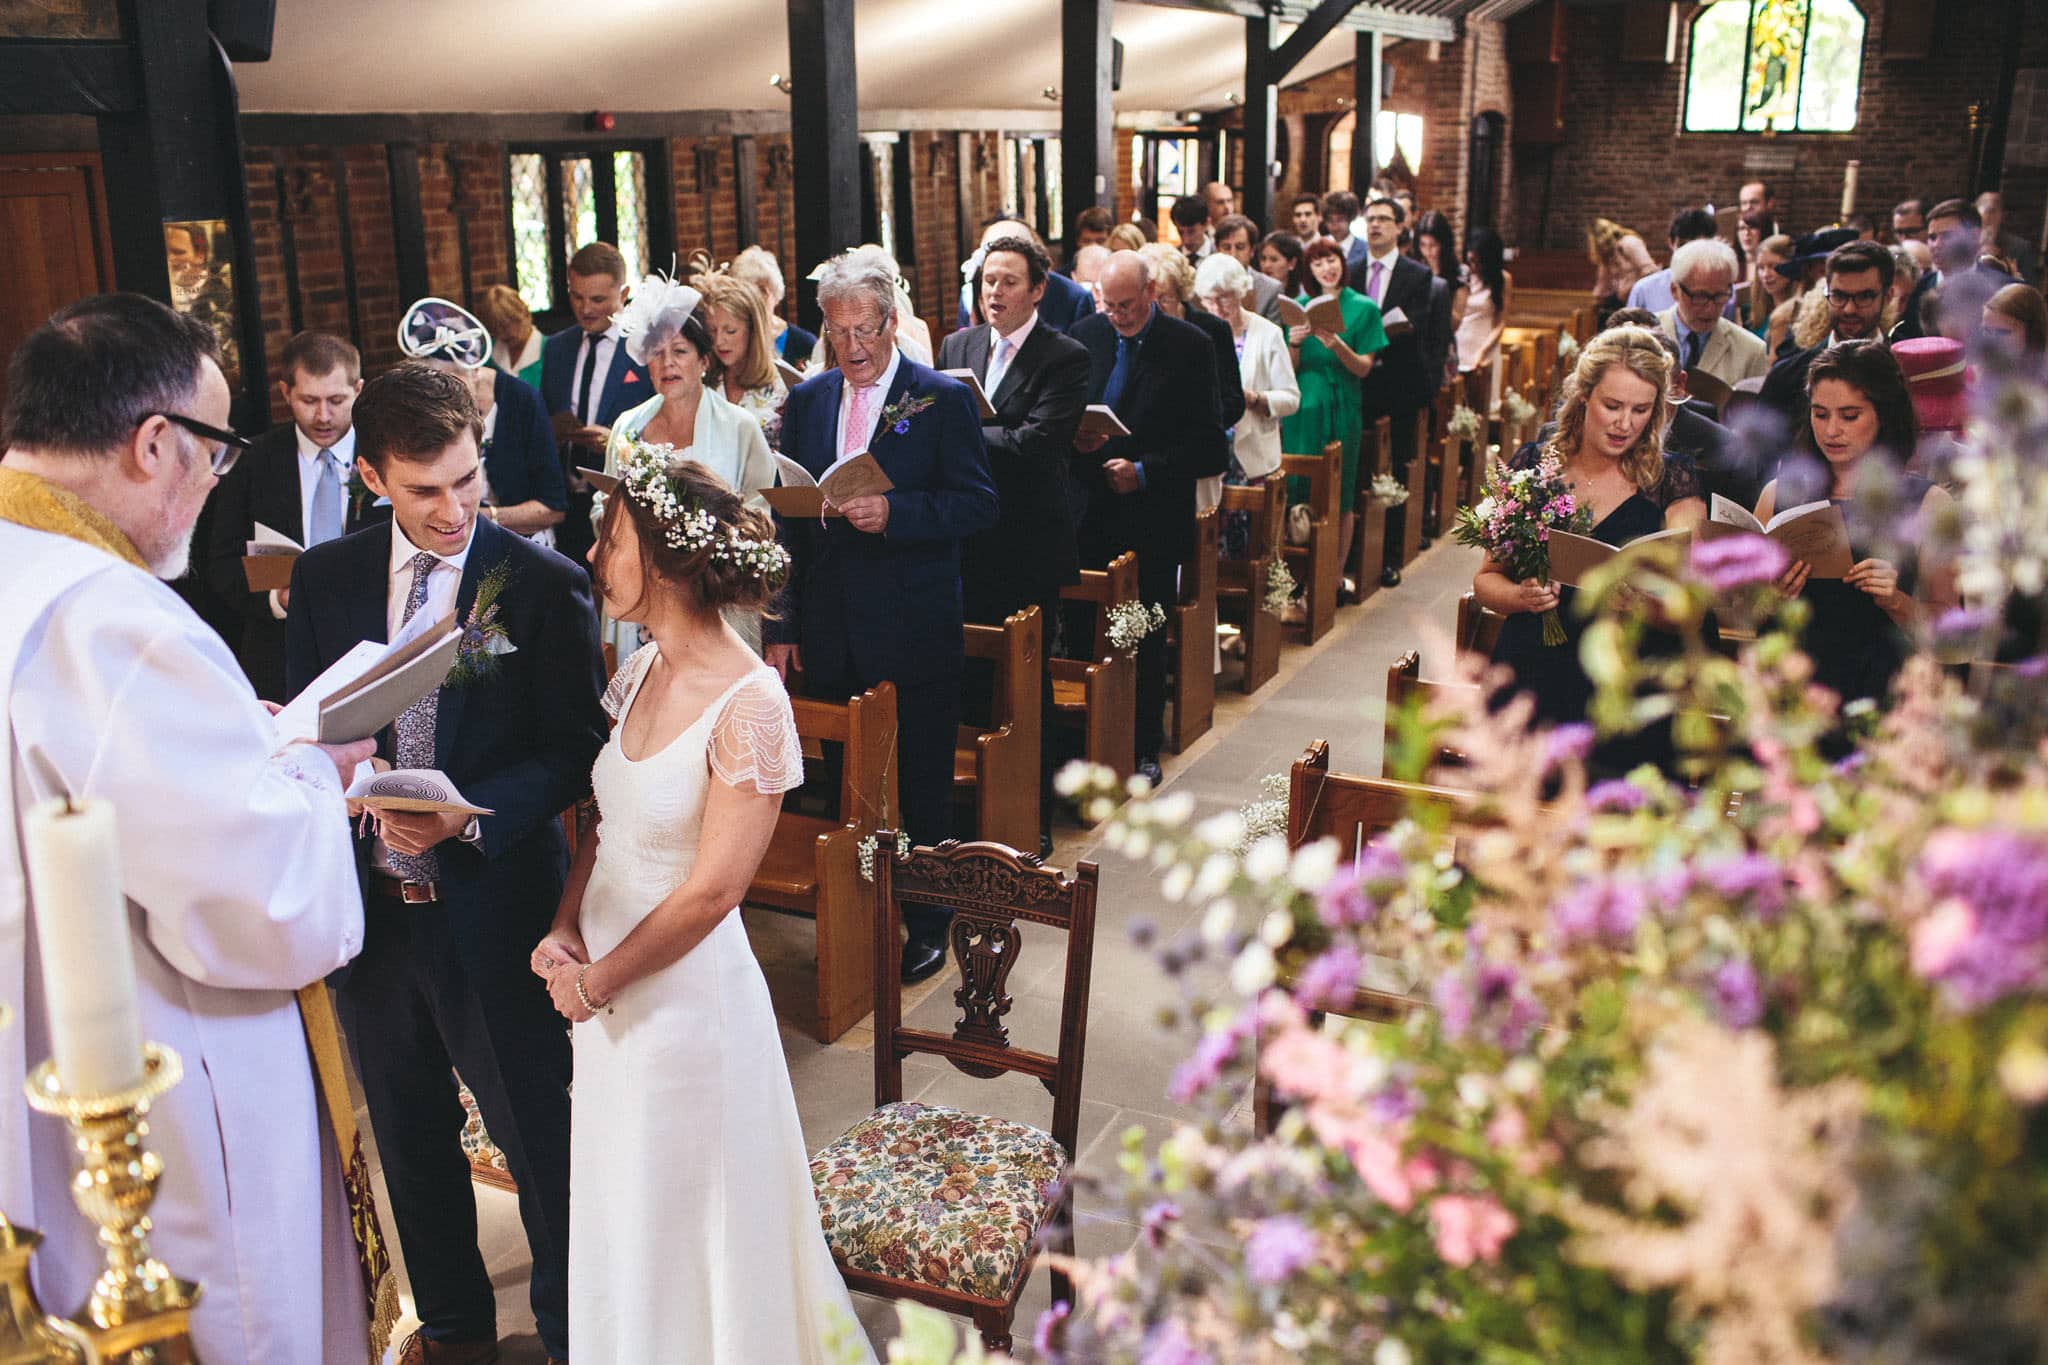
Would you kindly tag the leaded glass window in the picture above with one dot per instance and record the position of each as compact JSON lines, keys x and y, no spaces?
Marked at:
{"x":1774,"y":66}
{"x":530,"y":229}
{"x":629,"y":177}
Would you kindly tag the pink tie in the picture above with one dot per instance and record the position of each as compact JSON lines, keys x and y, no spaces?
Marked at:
{"x":857,"y":421}
{"x":1372,"y":282}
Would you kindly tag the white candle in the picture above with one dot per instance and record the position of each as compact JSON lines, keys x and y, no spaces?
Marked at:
{"x":1849,"y":188}
{"x":74,"y":878}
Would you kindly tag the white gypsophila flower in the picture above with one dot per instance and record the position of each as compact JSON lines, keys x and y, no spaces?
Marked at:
{"x":1288,"y":1334}
{"x":1522,"y":1076}
{"x":1472,"y":1092}
{"x":1314,"y":865}
{"x":1174,"y":808}
{"x":1075,"y":778}
{"x":1137,"y":843}
{"x":1253,"y":970}
{"x":1393,"y":1351}
{"x":1221,"y":830}
{"x":1217,"y":872}
{"x":1276,"y":929}
{"x":1176,"y":883}
{"x":1267,"y":859}
{"x":1115,"y":837}
{"x":1138,"y":786}
{"x":1218,"y":922}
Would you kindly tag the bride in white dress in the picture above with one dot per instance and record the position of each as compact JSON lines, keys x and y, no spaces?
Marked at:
{"x":693,"y":1231}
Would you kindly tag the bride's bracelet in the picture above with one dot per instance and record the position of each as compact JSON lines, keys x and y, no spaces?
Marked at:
{"x":584,"y":995}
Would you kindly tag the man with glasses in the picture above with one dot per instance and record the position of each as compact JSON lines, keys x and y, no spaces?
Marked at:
{"x":234,"y":854}
{"x":1859,"y":280}
{"x":1909,"y":220}
{"x":874,"y":590}
{"x":1655,"y":292}
{"x":1703,"y":277}
{"x":295,"y":480}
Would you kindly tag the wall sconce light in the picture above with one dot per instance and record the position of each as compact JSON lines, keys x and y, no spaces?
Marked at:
{"x":1051,"y":92}
{"x":780,"y":82}
{"x":1234,"y":97}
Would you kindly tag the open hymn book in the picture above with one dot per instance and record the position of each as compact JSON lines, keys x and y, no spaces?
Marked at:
{"x":1324,"y":314}
{"x":1812,"y":531}
{"x":370,"y":686}
{"x":267,"y":559}
{"x":800,"y":495}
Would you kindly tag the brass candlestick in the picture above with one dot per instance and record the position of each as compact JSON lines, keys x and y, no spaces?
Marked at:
{"x":138,"y":1313}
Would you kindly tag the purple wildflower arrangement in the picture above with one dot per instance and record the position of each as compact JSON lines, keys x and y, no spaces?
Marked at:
{"x":1512,"y":521}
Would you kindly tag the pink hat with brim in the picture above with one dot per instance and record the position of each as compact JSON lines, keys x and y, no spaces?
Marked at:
{"x":1937,"y":378}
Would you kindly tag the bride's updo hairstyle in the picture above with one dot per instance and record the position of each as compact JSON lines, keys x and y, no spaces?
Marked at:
{"x":706,"y":540}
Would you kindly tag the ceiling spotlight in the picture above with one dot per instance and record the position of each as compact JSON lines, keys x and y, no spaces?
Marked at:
{"x":1051,"y":92}
{"x":780,"y":82}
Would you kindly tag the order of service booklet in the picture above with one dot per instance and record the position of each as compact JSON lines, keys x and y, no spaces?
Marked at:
{"x":800,"y":495}
{"x":1324,"y":313}
{"x":370,"y":686}
{"x":1097,"y":419}
{"x":1812,"y":531}
{"x":408,"y":789}
{"x":268,"y":557}
{"x":1573,"y":557}
{"x":973,"y":381}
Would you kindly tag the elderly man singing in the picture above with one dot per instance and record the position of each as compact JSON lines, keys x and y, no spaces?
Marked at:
{"x":234,"y":854}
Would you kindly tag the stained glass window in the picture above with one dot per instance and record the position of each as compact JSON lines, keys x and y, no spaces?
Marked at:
{"x":1774,"y":66}
{"x":530,"y":229}
{"x":629,"y":175}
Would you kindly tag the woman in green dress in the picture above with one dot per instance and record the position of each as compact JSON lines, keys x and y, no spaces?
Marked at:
{"x":1332,"y":369}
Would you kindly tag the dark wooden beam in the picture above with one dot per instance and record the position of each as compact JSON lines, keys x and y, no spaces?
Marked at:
{"x":1087,"y":118}
{"x":746,"y":187}
{"x":338,"y":169}
{"x":966,"y":230}
{"x":1366,"y":75}
{"x":824,"y":125}
{"x":1261,"y":110}
{"x":69,"y":78}
{"x":1321,"y":22}
{"x":408,"y":222}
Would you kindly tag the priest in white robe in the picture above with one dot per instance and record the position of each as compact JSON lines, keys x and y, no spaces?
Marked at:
{"x":235,"y":860}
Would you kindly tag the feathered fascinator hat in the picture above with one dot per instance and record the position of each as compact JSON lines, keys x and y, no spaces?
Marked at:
{"x":435,"y":329}
{"x":659,"y":305}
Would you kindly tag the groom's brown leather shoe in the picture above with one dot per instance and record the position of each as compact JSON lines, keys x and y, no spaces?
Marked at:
{"x":420,"y":1351}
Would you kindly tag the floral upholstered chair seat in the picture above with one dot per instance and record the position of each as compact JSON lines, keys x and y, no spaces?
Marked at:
{"x":919,"y":1192}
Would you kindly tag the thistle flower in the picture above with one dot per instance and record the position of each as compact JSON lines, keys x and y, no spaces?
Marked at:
{"x":1729,"y":563}
{"x":1277,"y":1248}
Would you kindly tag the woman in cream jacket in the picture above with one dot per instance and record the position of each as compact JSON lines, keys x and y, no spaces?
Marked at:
{"x":1270,"y":389}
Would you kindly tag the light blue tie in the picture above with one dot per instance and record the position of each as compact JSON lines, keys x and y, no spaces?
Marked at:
{"x":326,"y":518}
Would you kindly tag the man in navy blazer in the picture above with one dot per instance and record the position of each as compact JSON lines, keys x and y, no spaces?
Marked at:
{"x":1159,"y":375}
{"x":455,"y":904}
{"x":587,"y":380}
{"x":874,"y":595}
{"x":1065,"y":303}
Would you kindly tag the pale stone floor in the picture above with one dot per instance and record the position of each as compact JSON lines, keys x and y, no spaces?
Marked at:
{"x":1334,"y":691}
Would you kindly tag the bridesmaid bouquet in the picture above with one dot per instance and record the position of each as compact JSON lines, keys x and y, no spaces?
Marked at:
{"x":1512,"y":521}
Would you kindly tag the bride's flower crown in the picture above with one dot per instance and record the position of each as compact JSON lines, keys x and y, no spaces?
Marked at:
{"x":646,"y":474}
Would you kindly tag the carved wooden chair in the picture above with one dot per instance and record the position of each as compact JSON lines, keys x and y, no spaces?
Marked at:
{"x":939,"y":1205}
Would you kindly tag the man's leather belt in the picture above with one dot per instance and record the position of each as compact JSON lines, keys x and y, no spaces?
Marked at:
{"x":410,"y":893}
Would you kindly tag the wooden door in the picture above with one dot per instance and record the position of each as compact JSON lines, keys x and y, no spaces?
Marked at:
{"x":53,"y":223}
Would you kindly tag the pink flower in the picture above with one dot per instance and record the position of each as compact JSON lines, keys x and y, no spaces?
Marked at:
{"x":1374,"y":1154}
{"x":1469,"y":1228}
{"x":1306,"y":1065}
{"x":1939,"y":939}
{"x":1507,"y":1129}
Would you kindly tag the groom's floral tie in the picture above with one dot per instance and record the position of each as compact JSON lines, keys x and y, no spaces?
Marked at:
{"x":414,"y":730}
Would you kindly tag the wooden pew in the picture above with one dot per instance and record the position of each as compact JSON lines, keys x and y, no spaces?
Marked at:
{"x":1405,"y":684}
{"x":1447,"y":462}
{"x":1369,"y":541}
{"x":813,"y":862}
{"x":1241,"y":583}
{"x":1416,"y":480}
{"x":1315,"y":565}
{"x":996,"y":770}
{"x":1098,"y":695}
{"x":1478,"y":628}
{"x":1191,"y":641}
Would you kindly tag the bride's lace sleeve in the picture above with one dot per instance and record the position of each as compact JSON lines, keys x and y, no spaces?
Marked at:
{"x":614,"y":700}
{"x":754,"y":744}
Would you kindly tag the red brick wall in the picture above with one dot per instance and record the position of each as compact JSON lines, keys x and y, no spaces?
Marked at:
{"x":1624,"y":158}
{"x":470,"y":176}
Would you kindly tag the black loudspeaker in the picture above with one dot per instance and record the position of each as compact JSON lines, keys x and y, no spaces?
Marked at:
{"x":1116,"y":64}
{"x":243,"y":27}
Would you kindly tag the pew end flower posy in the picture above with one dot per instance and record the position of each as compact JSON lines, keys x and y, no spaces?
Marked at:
{"x":1749,"y":1070}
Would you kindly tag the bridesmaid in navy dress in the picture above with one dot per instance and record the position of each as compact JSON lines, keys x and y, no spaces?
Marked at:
{"x":1609,"y":439}
{"x":1859,"y":632}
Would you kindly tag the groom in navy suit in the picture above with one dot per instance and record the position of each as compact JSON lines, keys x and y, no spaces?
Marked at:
{"x":874,"y":596}
{"x":455,"y":903}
